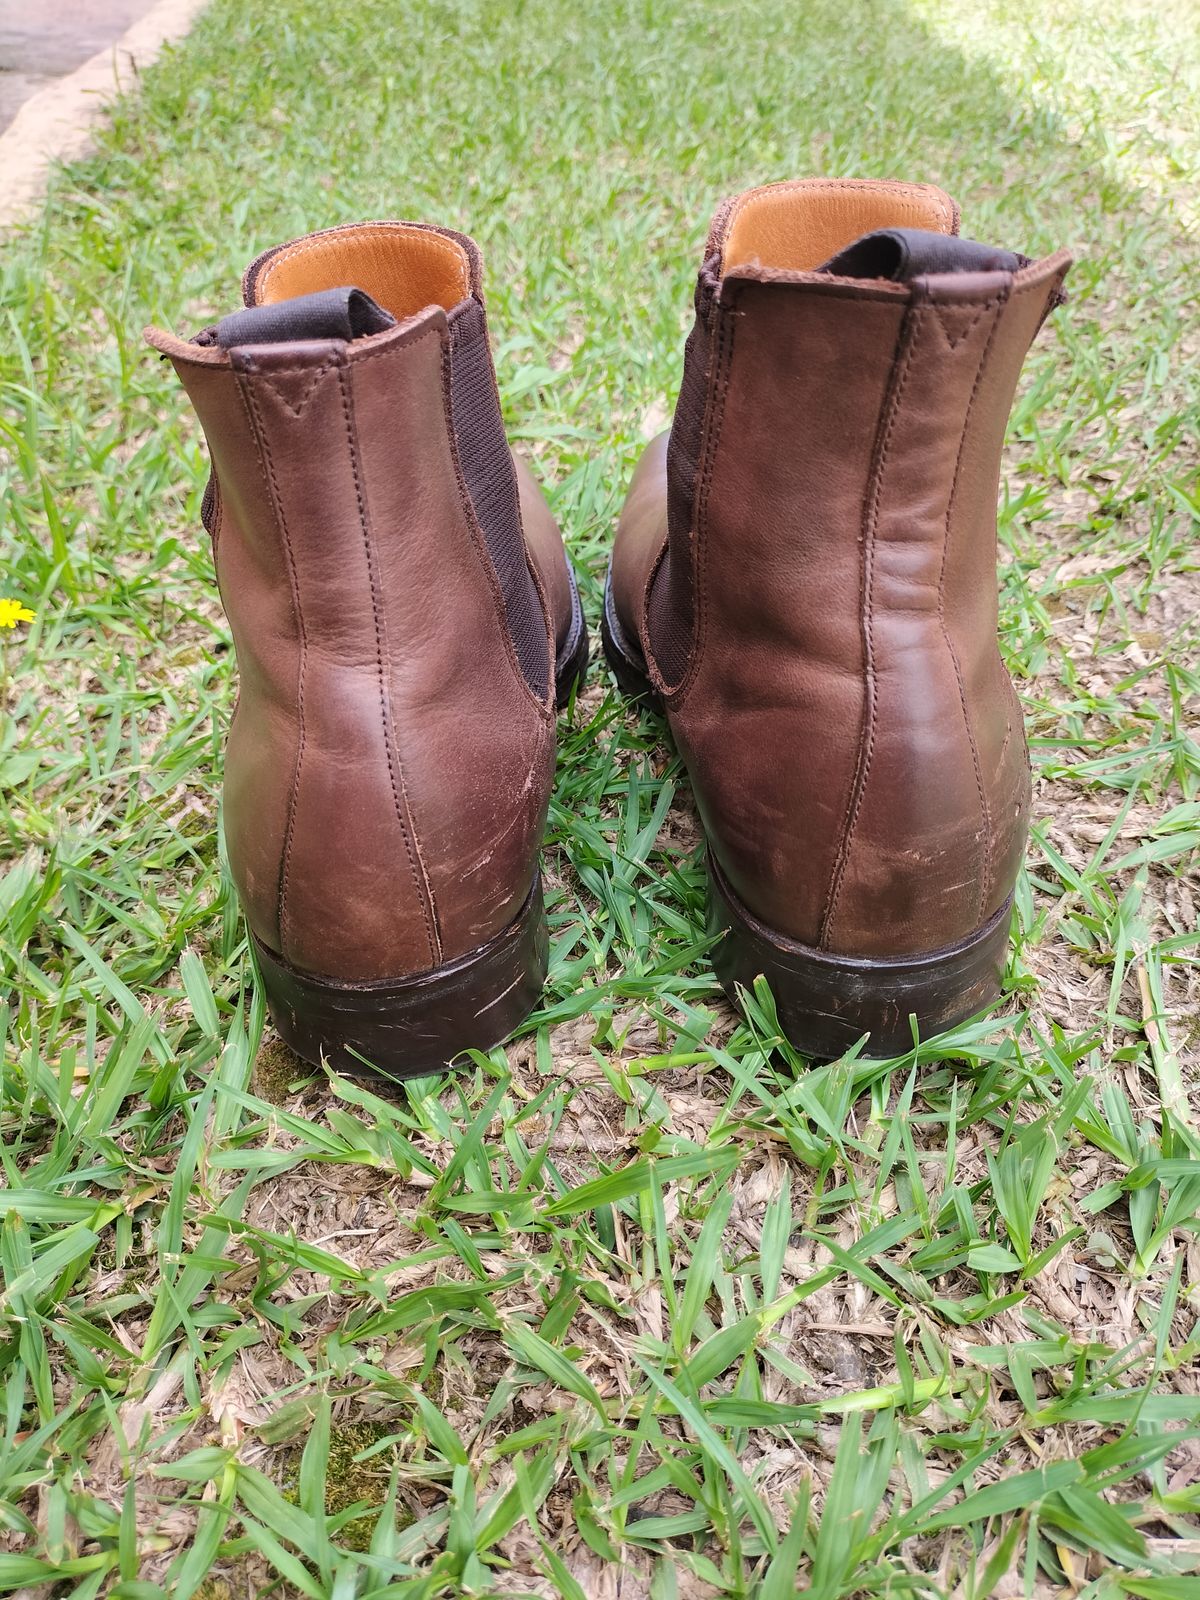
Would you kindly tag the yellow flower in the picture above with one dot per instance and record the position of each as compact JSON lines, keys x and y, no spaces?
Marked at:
{"x":12,"y":612}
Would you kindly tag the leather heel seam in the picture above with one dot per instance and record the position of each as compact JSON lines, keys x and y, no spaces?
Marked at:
{"x":395,"y":773}
{"x":985,"y":810}
{"x":898,"y":377}
{"x":258,"y":433}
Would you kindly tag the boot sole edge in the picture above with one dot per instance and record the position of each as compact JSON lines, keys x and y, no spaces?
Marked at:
{"x":827,"y":1002}
{"x":413,"y":1026}
{"x":410,"y":1027}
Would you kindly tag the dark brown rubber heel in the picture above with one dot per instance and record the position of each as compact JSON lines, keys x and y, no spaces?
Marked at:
{"x":826,"y":1002}
{"x":408,"y":1027}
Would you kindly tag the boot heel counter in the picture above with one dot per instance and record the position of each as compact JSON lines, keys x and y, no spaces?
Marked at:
{"x":385,"y":724}
{"x":471,"y":684}
{"x":857,"y":673}
{"x":930,"y":832}
{"x":421,"y":771}
{"x":935,"y":838}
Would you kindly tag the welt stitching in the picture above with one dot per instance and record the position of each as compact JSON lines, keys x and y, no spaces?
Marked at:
{"x":901,"y":365}
{"x":406,"y":341}
{"x":722,"y":371}
{"x":218,"y":519}
{"x":829,"y":285}
{"x":399,"y":797}
{"x":261,"y":373}
{"x":475,"y":533}
{"x":985,"y":810}
{"x":267,"y":465}
{"x":267,"y":375}
{"x":1008,"y":733}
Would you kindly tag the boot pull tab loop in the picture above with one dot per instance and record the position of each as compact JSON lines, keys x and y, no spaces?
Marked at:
{"x":344,"y":313}
{"x":900,"y":254}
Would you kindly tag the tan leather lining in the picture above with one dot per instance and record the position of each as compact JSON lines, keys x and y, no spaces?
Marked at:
{"x":404,"y":268}
{"x":794,"y":227}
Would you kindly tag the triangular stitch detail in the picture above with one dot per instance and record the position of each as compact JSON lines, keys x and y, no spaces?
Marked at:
{"x":297,"y":410}
{"x":950,"y":339}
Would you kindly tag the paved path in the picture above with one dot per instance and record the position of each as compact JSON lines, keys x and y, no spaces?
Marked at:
{"x":60,"y":62}
{"x":41,"y":40}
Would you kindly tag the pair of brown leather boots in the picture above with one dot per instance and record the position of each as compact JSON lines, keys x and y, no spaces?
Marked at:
{"x":803,"y":581}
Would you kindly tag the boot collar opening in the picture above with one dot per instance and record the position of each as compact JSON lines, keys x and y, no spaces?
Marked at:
{"x":404,"y":266}
{"x":798,"y":226}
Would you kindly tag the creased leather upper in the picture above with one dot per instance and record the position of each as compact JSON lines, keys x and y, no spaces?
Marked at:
{"x":388,"y":766}
{"x":854,"y":741}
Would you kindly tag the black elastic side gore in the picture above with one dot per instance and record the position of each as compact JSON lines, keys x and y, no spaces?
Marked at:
{"x":901,"y":254}
{"x":671,"y":599}
{"x":344,"y":313}
{"x":491,"y":483}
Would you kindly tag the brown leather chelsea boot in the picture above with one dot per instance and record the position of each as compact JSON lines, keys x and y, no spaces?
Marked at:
{"x":405,"y":619}
{"x":804,"y":578}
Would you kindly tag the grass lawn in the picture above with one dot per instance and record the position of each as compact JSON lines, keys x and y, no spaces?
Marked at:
{"x":641,"y":1306}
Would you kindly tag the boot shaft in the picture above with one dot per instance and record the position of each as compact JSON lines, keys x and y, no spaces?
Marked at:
{"x":389,"y":761}
{"x":823,"y":621}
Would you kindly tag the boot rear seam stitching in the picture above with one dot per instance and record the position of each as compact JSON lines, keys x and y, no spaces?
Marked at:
{"x":1008,"y":733}
{"x":399,"y":794}
{"x":267,"y":466}
{"x":985,"y":811}
{"x":218,"y":524}
{"x":901,"y":363}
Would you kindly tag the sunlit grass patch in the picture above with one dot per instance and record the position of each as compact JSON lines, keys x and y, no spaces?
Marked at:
{"x":645,"y":1296}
